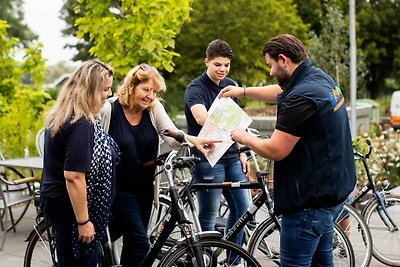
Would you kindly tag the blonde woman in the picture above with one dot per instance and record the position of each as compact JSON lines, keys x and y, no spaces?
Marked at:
{"x":78,"y":165}
{"x":135,"y":120}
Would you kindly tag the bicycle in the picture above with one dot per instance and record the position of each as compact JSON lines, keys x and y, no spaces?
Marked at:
{"x":270,"y":249}
{"x":203,"y":249}
{"x":381,"y":214}
{"x":356,"y":228}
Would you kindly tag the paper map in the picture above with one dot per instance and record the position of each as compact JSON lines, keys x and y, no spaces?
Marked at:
{"x":224,"y":115}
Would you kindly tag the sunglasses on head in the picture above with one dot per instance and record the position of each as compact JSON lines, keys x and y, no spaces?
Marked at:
{"x":144,"y":66}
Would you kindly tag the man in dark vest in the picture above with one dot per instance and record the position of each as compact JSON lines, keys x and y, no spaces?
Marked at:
{"x":311,"y":146}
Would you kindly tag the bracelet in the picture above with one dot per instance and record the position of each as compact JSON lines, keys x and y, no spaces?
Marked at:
{"x":83,"y":223}
{"x":244,"y":91}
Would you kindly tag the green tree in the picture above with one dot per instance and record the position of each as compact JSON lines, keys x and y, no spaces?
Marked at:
{"x":12,"y":12}
{"x":71,"y":11}
{"x":133,"y":31}
{"x":330,"y":50}
{"x":21,"y":105}
{"x":311,"y":12}
{"x":245,"y":25}
{"x":379,"y":36}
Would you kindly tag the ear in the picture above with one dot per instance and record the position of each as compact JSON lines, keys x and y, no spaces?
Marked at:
{"x":285,"y":60}
{"x":130,"y":89}
{"x":206,"y":61}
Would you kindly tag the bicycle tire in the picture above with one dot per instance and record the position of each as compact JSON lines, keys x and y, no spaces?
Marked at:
{"x":358,"y":233}
{"x":386,"y":243}
{"x":264,"y":245}
{"x":214,"y":254}
{"x":38,"y":252}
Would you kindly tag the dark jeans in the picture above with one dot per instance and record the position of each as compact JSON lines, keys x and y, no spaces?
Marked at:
{"x":306,"y":237}
{"x":130,"y":217}
{"x":62,"y":217}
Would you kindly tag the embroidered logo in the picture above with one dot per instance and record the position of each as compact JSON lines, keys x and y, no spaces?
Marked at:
{"x":337,"y":98}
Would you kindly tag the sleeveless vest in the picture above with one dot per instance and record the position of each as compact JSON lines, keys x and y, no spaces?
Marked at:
{"x":320,"y":170}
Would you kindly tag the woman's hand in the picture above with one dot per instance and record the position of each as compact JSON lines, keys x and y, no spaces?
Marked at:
{"x":86,"y":233}
{"x":204,"y":145}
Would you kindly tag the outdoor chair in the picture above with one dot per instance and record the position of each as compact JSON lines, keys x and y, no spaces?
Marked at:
{"x":40,"y":141}
{"x":15,"y":197}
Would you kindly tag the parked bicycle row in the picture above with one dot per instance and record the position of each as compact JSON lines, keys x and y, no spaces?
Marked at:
{"x":314,"y":171}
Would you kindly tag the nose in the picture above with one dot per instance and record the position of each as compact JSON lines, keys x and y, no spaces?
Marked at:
{"x":151,"y":94}
{"x":109,"y":92}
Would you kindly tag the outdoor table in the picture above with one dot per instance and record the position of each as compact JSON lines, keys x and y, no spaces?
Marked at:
{"x":34,"y":163}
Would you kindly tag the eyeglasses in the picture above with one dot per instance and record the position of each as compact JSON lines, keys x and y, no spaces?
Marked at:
{"x":144,"y":66}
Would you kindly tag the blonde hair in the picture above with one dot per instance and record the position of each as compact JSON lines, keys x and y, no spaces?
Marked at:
{"x":80,"y":96}
{"x":137,"y":75}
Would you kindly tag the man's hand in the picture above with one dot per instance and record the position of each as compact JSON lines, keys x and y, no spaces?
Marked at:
{"x":245,"y":163}
{"x":238,"y":135}
{"x":232,"y":91}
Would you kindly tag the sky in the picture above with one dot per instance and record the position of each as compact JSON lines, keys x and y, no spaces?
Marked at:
{"x":42,"y":16}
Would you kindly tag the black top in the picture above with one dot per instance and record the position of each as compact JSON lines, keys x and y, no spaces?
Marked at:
{"x":70,"y":149}
{"x":203,"y":90}
{"x":138,"y":144}
{"x":295,"y":115}
{"x":319,"y":172}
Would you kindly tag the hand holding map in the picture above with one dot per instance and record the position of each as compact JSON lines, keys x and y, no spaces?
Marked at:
{"x":224,"y":115}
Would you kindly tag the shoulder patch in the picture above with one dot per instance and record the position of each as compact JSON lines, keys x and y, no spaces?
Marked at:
{"x":337,"y":98}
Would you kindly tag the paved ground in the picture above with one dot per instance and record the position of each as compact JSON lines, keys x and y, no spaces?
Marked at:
{"x":14,"y":247}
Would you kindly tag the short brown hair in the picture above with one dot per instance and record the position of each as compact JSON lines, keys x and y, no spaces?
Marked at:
{"x":287,"y":45}
{"x":218,"y":48}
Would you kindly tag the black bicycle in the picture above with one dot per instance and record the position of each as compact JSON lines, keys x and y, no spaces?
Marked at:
{"x":381,"y":213}
{"x":264,"y":240}
{"x":202,"y":249}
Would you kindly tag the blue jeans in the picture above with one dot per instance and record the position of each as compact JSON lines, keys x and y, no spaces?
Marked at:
{"x":209,"y":200}
{"x":130,"y":217}
{"x":306,"y":237}
{"x":62,"y":217}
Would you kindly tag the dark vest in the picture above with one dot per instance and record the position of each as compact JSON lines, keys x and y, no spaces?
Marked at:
{"x":320,"y":171}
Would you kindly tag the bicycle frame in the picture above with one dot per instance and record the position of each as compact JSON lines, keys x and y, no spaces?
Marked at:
{"x":174,"y":215}
{"x":371,"y":186}
{"x":263,"y":198}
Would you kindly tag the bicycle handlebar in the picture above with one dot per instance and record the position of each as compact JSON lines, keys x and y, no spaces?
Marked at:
{"x":371,"y":147}
{"x":178,"y":136}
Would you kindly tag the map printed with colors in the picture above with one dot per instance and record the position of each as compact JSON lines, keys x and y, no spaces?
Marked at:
{"x":224,"y":116}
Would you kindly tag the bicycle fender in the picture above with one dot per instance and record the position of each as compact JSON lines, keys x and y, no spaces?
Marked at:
{"x":202,"y":235}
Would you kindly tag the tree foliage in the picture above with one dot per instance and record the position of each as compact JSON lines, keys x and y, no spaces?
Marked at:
{"x":378,"y":35}
{"x":12,"y":12}
{"x":70,"y":11}
{"x":133,"y":31}
{"x":21,"y":105}
{"x":329,"y":50}
{"x":245,"y":25}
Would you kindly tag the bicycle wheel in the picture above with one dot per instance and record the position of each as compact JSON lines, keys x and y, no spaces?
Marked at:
{"x":353,"y":224}
{"x":40,"y":246}
{"x":264,"y":245}
{"x":386,"y":237}
{"x":214,"y":252}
